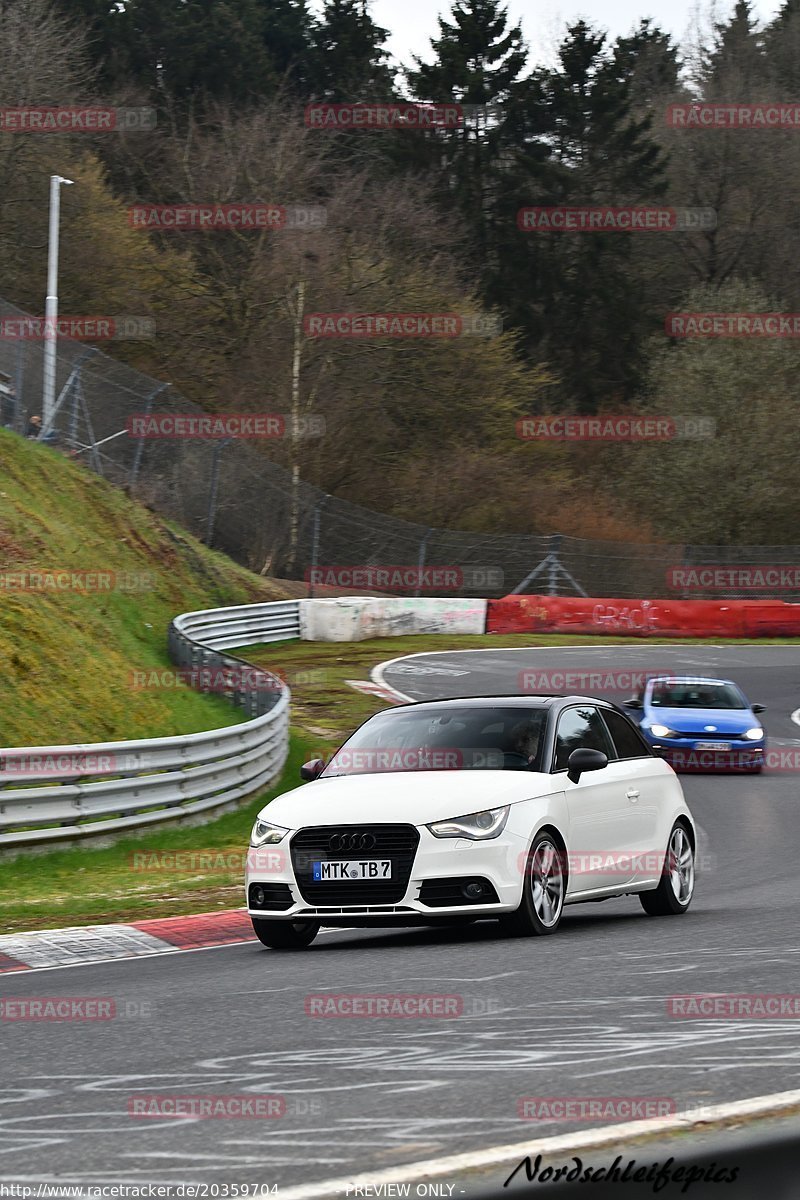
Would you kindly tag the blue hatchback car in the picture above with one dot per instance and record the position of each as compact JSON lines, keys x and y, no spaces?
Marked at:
{"x":701,"y":724}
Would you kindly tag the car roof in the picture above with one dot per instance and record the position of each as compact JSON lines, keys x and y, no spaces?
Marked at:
{"x":513,"y":700}
{"x":690,"y":679}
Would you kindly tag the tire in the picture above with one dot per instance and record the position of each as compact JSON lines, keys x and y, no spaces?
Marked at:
{"x":543,"y":891}
{"x":285,"y":935}
{"x":674,"y":893}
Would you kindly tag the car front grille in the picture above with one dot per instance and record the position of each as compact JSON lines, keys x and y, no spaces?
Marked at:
{"x":396,"y":842}
{"x":703,"y":736}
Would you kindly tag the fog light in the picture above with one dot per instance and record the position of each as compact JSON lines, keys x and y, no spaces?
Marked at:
{"x":259,"y":897}
{"x":473,"y":890}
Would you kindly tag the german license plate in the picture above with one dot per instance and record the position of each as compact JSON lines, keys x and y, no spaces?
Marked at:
{"x":353,"y":869}
{"x":713,"y":746}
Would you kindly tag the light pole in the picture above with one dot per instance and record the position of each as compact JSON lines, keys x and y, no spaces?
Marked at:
{"x":51,"y":306}
{"x":294,"y":508}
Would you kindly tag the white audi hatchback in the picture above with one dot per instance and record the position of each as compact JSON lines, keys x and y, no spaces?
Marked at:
{"x":497,"y":807}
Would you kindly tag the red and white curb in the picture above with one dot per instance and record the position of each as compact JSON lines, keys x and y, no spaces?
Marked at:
{"x":100,"y":943}
{"x":383,"y":692}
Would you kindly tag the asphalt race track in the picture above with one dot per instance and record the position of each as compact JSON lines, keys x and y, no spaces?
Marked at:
{"x":582,"y":1014}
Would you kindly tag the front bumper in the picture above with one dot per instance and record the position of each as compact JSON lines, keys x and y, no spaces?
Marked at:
{"x":686,"y":754}
{"x":439,"y":868}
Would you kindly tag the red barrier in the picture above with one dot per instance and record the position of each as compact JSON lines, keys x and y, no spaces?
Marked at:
{"x":643,"y":618}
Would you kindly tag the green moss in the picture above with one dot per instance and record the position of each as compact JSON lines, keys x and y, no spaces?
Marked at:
{"x":67,"y":658}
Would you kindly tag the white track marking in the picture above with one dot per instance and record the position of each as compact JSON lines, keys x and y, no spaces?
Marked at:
{"x":377,"y":674}
{"x":510,"y":1155}
{"x":24,"y":971}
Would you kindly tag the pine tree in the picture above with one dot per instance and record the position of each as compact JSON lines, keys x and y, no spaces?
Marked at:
{"x":648,"y":61}
{"x":577,"y":297}
{"x":782,"y":50}
{"x":736,"y":59}
{"x":348,"y":62}
{"x":479,"y":60}
{"x":195,"y":51}
{"x":286,"y":27}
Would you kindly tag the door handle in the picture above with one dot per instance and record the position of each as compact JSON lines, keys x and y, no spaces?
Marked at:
{"x":632,"y":794}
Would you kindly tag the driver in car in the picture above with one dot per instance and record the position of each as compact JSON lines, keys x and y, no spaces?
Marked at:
{"x":524,"y":741}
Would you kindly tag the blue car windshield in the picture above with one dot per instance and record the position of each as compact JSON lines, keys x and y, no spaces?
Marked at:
{"x":697,"y":695}
{"x":462,"y":739}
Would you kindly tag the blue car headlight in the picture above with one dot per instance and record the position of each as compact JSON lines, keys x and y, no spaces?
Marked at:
{"x":755,"y":734}
{"x":663,"y":731}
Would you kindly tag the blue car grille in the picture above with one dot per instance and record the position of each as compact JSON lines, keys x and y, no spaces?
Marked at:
{"x":703,"y":735}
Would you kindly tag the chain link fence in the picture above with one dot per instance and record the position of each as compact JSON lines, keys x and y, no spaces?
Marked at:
{"x":234,"y":498}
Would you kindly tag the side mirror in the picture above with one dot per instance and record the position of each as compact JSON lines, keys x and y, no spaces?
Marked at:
{"x":757,"y":708}
{"x":584,"y":759}
{"x":312,"y":770}
{"x":634,"y":702}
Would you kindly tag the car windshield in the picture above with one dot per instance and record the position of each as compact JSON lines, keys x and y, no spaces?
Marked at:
{"x":697,"y":695}
{"x":462,"y":739}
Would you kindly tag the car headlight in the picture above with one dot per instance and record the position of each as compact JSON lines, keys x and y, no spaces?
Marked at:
{"x":662,"y":731}
{"x":265,"y":834}
{"x":479,"y":827}
{"x":754,"y":734}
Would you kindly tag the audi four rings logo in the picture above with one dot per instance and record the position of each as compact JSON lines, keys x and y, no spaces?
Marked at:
{"x":352,"y":841}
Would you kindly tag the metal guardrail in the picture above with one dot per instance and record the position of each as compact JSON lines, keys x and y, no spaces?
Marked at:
{"x":68,"y":793}
{"x":220,"y":628}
